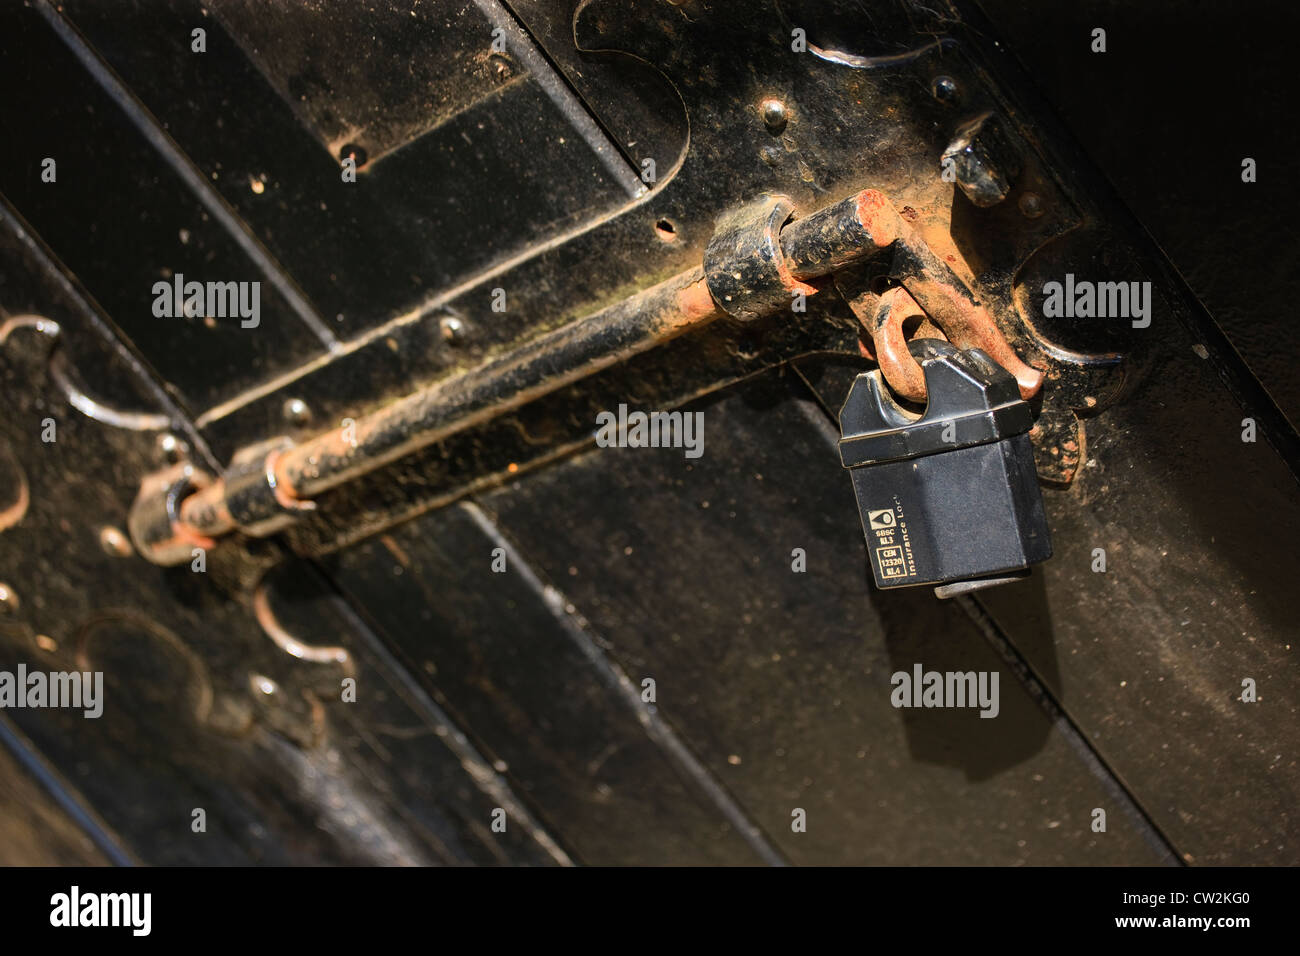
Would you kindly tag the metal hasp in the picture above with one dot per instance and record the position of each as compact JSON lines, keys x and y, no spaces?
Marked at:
{"x":758,"y":261}
{"x":951,"y":497}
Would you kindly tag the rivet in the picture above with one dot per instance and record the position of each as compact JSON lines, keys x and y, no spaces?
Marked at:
{"x":774,"y":115}
{"x":945,"y":89}
{"x":8,"y":599}
{"x":172,"y":448}
{"x":296,"y":411}
{"x":452,"y":329}
{"x":1031,"y":205}
{"x":114,"y":542}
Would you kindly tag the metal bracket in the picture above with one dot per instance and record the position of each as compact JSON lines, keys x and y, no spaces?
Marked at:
{"x":744,"y":265}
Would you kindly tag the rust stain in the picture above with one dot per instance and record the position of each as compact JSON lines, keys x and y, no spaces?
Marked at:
{"x":694,"y":304}
{"x":879,"y":217}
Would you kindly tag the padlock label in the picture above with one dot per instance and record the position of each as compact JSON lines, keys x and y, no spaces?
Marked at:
{"x":891,"y":562}
{"x":892,"y":545}
{"x":882,"y":520}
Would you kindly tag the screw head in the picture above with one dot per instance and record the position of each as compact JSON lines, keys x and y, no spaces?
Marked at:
{"x":774,"y":115}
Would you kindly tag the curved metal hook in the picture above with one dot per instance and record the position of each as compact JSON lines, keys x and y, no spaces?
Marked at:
{"x":62,"y":375}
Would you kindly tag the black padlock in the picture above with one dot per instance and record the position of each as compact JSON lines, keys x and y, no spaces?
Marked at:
{"x":951,"y":497}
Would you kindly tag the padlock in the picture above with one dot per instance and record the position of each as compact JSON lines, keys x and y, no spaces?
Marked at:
{"x":948,"y":497}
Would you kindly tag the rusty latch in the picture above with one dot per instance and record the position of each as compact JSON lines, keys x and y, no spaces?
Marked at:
{"x":756,"y":263}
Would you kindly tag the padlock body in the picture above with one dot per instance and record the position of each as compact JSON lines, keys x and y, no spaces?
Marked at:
{"x":953,"y":515}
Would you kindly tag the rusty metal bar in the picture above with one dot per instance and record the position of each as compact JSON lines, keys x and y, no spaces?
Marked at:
{"x":549,"y":362}
{"x":840,"y":235}
{"x":950,"y":302}
{"x":269,"y":487}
